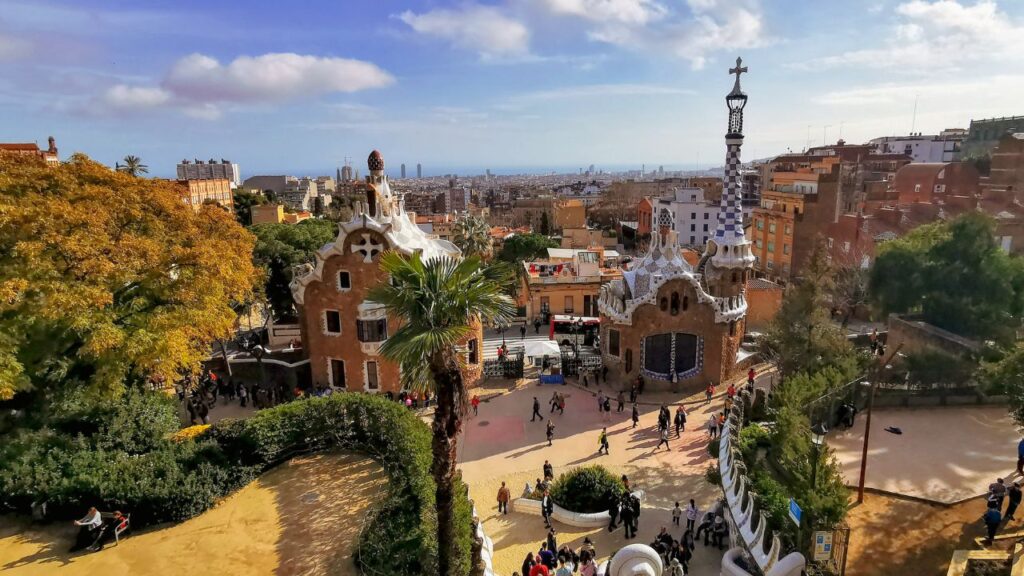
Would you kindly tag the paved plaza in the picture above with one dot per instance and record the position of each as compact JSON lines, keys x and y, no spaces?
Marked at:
{"x":944,"y":455}
{"x":502,"y":444}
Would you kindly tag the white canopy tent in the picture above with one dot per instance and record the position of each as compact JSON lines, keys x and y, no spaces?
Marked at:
{"x":539,"y":348}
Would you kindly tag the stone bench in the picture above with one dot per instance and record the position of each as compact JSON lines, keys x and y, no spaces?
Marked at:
{"x":567,"y":517}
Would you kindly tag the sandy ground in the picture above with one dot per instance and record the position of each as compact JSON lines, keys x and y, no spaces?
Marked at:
{"x":945,"y":454}
{"x":501,"y":444}
{"x":301,"y":518}
{"x":896,"y":536}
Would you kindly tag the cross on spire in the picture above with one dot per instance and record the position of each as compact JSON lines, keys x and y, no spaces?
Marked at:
{"x":739,"y":69}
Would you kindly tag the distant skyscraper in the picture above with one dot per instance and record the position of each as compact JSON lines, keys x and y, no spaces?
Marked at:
{"x":212,"y":170}
{"x":338,"y":173}
{"x":403,"y":171}
{"x":419,"y":170}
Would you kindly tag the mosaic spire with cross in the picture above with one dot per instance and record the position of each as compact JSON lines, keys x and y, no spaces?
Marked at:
{"x":729,"y":231}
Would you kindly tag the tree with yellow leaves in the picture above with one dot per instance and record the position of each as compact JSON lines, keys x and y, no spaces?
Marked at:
{"x":107,"y":279}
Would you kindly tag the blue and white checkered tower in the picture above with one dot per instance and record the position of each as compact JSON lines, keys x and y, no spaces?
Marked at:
{"x":731,"y":247}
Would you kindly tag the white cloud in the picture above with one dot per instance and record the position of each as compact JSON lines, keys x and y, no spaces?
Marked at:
{"x":626,"y":11}
{"x":122,"y":96}
{"x":711,"y":26}
{"x":943,"y":34}
{"x":903,"y":93}
{"x":481,"y":29}
{"x":199,"y":85}
{"x":270,"y":77}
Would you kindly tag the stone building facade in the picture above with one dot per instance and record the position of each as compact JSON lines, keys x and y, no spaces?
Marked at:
{"x":343,"y":331}
{"x":674,"y":324}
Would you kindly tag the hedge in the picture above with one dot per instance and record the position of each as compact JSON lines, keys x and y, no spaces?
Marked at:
{"x":178,"y":479}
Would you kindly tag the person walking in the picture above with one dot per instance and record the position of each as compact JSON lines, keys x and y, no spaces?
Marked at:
{"x":991,"y":518}
{"x":680,"y":420}
{"x":561,"y":404}
{"x":620,"y":400}
{"x":636,"y":415}
{"x":1013,"y":495}
{"x":553,"y":402}
{"x":522,"y":331}
{"x":549,"y":471}
{"x":476,"y":405}
{"x":712,"y":427}
{"x":600,"y":400}
{"x":664,"y":440}
{"x":691,"y":515}
{"x":603,"y":442}
{"x":613,"y":511}
{"x":585,"y":383}
{"x":503,"y":498}
{"x":536,"y":410}
{"x":751,"y":375}
{"x":536,"y":325}
{"x":730,"y":392}
{"x":677,"y":513}
{"x":550,"y":431}
{"x":607,"y":408}
{"x":708,"y":393}
{"x":632,"y":393}
{"x":552,"y":542}
{"x":626,"y":512}
{"x":547,"y":506}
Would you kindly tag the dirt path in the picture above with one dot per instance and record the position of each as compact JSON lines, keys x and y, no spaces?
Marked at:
{"x":301,"y":518}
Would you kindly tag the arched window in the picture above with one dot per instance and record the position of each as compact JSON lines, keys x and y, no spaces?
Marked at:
{"x":675,"y":303}
{"x":686,"y":302}
{"x":629,"y":360}
{"x":664,"y":304}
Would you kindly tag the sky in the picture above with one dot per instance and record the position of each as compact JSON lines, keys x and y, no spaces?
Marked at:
{"x":463,"y":85}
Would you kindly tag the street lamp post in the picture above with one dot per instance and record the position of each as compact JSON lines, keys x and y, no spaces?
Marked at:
{"x":818,"y":432}
{"x":867,"y":436}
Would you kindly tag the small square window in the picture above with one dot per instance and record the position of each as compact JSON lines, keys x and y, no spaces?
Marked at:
{"x":344,"y":281}
{"x":371,"y":376}
{"x":332,"y":321}
{"x":785,"y":248}
{"x":760,"y":224}
{"x":613,"y":342}
{"x":705,"y":227}
{"x":693,"y":227}
{"x":706,"y":214}
{"x":771,"y":246}
{"x":771,"y":228}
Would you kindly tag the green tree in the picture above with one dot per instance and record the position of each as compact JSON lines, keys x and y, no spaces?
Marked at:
{"x":133,"y":166}
{"x":473,"y":236}
{"x":244,"y":200}
{"x":955,"y":275}
{"x":1006,"y":376}
{"x":802,"y":337}
{"x":439,"y":301}
{"x":545,"y":224}
{"x":281,"y":247}
{"x":106,"y":279}
{"x":525,"y":247}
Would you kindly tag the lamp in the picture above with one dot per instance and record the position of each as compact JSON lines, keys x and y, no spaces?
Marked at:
{"x":818,"y":432}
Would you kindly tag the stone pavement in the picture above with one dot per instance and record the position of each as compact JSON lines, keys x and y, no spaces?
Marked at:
{"x":501,"y":444}
{"x":945,"y":454}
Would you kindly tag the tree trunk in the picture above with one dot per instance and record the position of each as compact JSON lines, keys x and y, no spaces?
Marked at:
{"x":451,"y":402}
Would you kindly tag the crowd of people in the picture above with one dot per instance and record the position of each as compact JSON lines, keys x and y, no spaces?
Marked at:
{"x":998,"y":492}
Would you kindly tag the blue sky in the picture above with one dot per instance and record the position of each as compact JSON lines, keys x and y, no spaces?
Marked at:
{"x":298,"y":86}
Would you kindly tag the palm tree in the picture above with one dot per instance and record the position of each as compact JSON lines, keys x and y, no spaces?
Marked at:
{"x":473,"y":236}
{"x":132,"y":166}
{"x":438,"y":301}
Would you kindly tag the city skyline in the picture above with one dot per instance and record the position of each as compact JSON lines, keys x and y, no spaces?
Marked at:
{"x":466,"y":86}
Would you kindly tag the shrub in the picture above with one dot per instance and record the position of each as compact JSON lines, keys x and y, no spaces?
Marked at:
{"x":752,"y":437}
{"x":190,"y":433}
{"x":587,"y":489}
{"x":713,"y":475}
{"x":714,"y":447}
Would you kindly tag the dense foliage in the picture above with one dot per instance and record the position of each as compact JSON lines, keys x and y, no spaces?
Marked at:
{"x":106,"y":278}
{"x":281,"y":247}
{"x":123,"y":456}
{"x":586,"y":489}
{"x":525,"y":247}
{"x":954,"y":274}
{"x":802,"y":336}
{"x":1006,"y":376}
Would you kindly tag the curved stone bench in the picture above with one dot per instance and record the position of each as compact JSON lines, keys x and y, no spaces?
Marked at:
{"x":567,"y":517}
